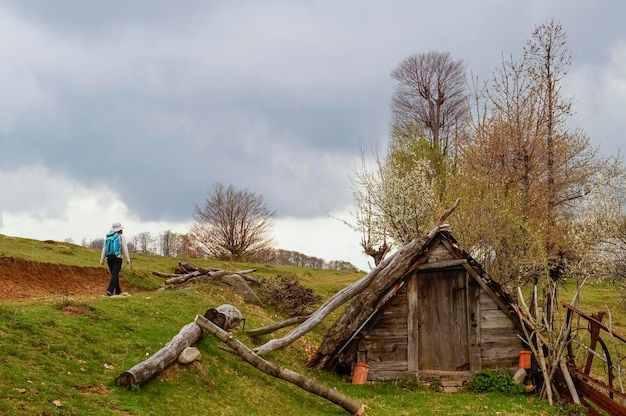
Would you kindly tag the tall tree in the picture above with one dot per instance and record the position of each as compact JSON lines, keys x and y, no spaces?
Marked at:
{"x":431,"y":92}
{"x":143,"y":242}
{"x":169,"y":243}
{"x":549,"y":59}
{"x":233,"y":224}
{"x":528,"y":168}
{"x":397,"y":197}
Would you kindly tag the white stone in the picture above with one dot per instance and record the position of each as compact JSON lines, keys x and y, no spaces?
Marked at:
{"x":189,"y":355}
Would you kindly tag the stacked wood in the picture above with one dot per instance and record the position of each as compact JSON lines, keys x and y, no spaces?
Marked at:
{"x":187,"y":273}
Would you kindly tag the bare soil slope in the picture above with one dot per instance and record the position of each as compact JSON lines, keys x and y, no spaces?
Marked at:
{"x":28,"y":280}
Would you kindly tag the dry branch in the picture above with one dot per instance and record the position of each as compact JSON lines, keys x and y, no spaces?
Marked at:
{"x":310,"y":385}
{"x":278,"y":325}
{"x":446,"y":214}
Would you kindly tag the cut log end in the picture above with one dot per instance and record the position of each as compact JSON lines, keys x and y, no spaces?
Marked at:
{"x":125,"y":379}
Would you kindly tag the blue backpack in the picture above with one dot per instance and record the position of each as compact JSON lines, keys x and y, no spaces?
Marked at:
{"x":112,"y":245}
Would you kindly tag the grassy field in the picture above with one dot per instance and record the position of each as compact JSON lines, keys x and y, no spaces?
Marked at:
{"x":61,"y":356}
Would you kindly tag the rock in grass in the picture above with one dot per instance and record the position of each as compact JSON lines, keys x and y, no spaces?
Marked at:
{"x":189,"y":355}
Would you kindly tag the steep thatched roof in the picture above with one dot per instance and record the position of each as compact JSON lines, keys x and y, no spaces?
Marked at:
{"x":401,"y":266}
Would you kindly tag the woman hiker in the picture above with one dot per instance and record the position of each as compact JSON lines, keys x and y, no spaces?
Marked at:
{"x":115,"y":247}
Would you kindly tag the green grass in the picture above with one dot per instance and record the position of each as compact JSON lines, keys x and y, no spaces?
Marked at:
{"x":59,"y":350}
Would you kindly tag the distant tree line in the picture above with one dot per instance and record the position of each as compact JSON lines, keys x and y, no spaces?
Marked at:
{"x":169,"y":243}
{"x":294,"y":258}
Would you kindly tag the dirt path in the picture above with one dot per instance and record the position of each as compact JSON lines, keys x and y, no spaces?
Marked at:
{"x":28,"y":280}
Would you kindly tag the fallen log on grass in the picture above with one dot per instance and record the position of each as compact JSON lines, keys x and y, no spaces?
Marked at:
{"x":352,"y":406}
{"x":158,"y":362}
{"x":225,"y":316}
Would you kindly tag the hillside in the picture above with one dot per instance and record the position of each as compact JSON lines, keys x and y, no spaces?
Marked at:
{"x":62,"y":343}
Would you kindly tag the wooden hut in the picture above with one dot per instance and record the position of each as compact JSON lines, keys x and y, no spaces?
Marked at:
{"x":437,"y":317}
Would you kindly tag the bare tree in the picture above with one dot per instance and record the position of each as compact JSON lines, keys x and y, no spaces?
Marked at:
{"x":97,"y":243}
{"x":143,"y":242}
{"x":431,"y":91}
{"x":188,"y":247}
{"x":549,"y":60}
{"x":233,"y":224}
{"x":528,"y":172}
{"x":169,"y":243}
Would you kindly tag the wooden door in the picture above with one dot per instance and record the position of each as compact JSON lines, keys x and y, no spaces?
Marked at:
{"x":440,"y":339}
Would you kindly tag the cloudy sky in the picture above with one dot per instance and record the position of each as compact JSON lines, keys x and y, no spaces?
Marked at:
{"x":130,"y":110}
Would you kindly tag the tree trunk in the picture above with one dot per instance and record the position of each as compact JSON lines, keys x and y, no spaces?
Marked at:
{"x":154,"y":365}
{"x":350,"y":405}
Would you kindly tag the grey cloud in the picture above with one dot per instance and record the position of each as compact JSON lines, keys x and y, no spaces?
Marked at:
{"x":160,"y":101}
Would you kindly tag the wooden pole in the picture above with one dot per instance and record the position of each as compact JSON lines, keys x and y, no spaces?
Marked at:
{"x":305,"y":383}
{"x":276,"y":326}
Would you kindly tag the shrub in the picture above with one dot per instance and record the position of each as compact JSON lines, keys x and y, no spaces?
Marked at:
{"x":495,"y":381}
{"x":288,"y":296}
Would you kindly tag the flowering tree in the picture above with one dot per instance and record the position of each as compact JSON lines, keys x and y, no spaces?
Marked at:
{"x":598,"y":231}
{"x":395,"y":197}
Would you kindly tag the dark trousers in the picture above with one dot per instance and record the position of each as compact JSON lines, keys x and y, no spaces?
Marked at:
{"x":115,"y":265}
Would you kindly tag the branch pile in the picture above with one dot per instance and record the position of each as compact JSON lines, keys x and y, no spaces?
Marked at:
{"x":186,"y":274}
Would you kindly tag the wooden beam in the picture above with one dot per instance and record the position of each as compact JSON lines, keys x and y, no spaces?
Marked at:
{"x":412,"y":325}
{"x":487,"y":289}
{"x":310,"y":385}
{"x":442,"y":264}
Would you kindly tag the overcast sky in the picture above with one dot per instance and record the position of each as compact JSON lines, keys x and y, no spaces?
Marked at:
{"x":130,"y":110}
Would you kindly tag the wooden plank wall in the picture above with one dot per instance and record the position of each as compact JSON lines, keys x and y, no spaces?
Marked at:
{"x":500,"y":345}
{"x":386,"y":343}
